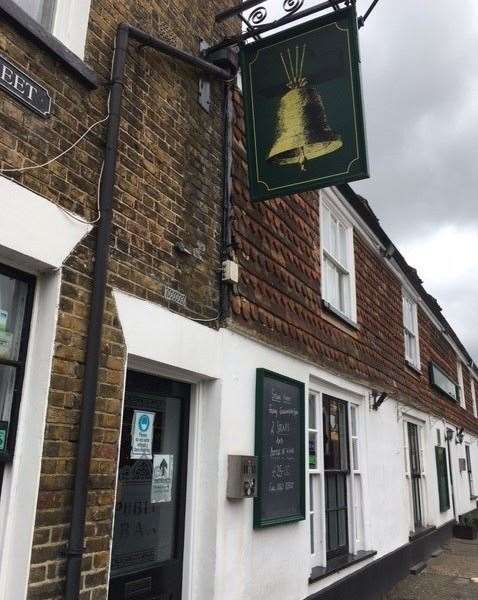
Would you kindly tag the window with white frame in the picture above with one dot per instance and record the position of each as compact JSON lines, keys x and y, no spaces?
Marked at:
{"x":67,"y":20}
{"x":335,"y":484}
{"x":338,"y":273}
{"x":469,"y":469}
{"x":415,"y":472}
{"x":473,"y":396}
{"x":410,"y":331}
{"x":461,"y":386}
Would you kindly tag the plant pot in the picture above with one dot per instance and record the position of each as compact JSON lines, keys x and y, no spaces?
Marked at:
{"x":465,"y":532}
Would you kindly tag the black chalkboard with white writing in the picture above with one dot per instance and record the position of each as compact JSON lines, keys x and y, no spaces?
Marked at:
{"x":280,"y":448}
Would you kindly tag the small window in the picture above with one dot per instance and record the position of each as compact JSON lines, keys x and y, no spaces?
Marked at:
{"x":338,"y":285}
{"x":410,"y":331}
{"x":42,"y":11}
{"x":473,"y":397}
{"x":67,"y":20}
{"x":461,"y":386}
{"x":16,"y":298}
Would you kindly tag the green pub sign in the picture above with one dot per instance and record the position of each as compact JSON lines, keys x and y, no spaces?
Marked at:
{"x":303,"y":107}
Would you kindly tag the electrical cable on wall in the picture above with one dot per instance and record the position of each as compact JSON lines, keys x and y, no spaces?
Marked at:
{"x":54,"y":159}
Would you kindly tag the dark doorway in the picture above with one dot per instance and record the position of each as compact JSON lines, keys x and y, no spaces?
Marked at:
{"x":148,"y":537}
{"x":336,"y":467}
{"x":415,"y":474}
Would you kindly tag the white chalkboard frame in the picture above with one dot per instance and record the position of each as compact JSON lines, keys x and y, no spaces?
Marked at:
{"x":260,"y":520}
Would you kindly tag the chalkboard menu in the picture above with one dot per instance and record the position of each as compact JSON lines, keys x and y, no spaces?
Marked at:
{"x":280,"y":448}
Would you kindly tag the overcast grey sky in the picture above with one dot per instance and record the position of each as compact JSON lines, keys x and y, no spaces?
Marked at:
{"x":420,"y":83}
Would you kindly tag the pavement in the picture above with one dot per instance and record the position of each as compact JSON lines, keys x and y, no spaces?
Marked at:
{"x":449,"y":576}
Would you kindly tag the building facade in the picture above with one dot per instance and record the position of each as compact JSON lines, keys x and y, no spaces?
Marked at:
{"x":322,"y":298}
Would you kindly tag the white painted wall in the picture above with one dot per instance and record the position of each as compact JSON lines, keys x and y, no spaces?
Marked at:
{"x":225,"y":556}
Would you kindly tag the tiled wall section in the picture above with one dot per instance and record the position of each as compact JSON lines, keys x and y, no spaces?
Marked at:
{"x":278,"y":299}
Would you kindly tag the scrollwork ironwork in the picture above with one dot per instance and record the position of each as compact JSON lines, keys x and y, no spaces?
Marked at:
{"x":292,"y":6}
{"x":259,"y":14}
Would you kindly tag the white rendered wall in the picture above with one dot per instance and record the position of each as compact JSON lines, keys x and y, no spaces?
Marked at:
{"x":226,"y":559}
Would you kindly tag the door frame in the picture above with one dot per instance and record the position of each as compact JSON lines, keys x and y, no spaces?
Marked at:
{"x":136,"y":389}
{"x":198,"y":385}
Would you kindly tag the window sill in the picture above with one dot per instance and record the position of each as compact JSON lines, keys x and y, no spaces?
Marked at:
{"x":422,"y":532}
{"x":338,"y":315}
{"x":33,"y":30}
{"x":338,"y":564}
{"x":416,"y":370}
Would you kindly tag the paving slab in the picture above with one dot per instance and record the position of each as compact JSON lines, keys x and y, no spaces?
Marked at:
{"x":453,"y":575}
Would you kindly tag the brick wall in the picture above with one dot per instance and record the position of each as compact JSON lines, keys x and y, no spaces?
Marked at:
{"x":278,"y":299}
{"x":169,"y":190}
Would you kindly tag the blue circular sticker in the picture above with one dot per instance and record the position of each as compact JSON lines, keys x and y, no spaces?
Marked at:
{"x":143,"y":422}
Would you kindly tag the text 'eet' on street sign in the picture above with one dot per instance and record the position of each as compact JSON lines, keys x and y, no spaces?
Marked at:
{"x":303,"y":107}
{"x":24,"y":88}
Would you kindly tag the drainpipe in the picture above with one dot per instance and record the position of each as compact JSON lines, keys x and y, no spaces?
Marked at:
{"x":227,"y":190}
{"x":124,"y":33}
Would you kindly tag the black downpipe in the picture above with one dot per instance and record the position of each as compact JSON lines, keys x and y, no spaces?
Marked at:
{"x":100,"y":270}
{"x":227,"y":191}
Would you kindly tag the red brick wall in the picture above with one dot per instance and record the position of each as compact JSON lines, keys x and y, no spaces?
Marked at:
{"x":278,"y":299}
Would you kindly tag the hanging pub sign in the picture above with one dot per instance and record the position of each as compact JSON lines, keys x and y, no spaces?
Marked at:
{"x":280,"y":448}
{"x":303,"y":107}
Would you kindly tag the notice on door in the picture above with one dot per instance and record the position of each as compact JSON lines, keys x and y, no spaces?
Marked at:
{"x":162,"y":482}
{"x":142,"y":435}
{"x":5,"y":337}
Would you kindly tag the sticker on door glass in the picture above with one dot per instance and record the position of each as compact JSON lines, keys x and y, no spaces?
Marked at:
{"x":142,"y":435}
{"x":5,"y":336}
{"x":3,"y":319}
{"x":162,"y":482}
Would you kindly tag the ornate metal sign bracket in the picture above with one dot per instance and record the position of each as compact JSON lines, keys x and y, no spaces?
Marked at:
{"x":255,"y":21}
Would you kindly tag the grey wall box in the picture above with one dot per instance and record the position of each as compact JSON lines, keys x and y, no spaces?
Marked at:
{"x":241,"y":477}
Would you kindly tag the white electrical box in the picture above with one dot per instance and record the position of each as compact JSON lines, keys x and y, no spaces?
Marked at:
{"x":230,"y":271}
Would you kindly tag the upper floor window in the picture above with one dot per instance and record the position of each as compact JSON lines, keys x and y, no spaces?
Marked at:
{"x":410,"y":331}
{"x":42,"y":11}
{"x":65,"y":19}
{"x":461,"y":386}
{"x":473,"y":396}
{"x":338,"y":273}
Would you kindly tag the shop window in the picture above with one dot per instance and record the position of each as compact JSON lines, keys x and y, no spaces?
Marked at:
{"x":65,"y":19}
{"x":410,"y":331}
{"x":16,"y":299}
{"x":338,"y":279}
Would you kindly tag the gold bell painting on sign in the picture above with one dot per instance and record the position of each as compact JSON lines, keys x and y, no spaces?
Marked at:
{"x":302,"y":131}
{"x":303,"y":107}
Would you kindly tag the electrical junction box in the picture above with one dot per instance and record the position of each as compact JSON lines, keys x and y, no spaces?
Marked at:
{"x":462,"y":464}
{"x":241,"y":477}
{"x":230,"y":271}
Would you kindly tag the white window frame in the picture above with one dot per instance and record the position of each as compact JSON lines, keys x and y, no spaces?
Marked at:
{"x":330,"y":203}
{"x":413,"y":333}
{"x":316,"y":479}
{"x":70,"y":24}
{"x":473,"y":395}
{"x":422,"y":439}
{"x":461,"y":385}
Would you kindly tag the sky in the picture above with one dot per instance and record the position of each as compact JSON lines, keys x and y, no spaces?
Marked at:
{"x":420,"y":86}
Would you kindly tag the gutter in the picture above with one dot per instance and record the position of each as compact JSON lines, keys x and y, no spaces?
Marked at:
{"x":124,"y":34}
